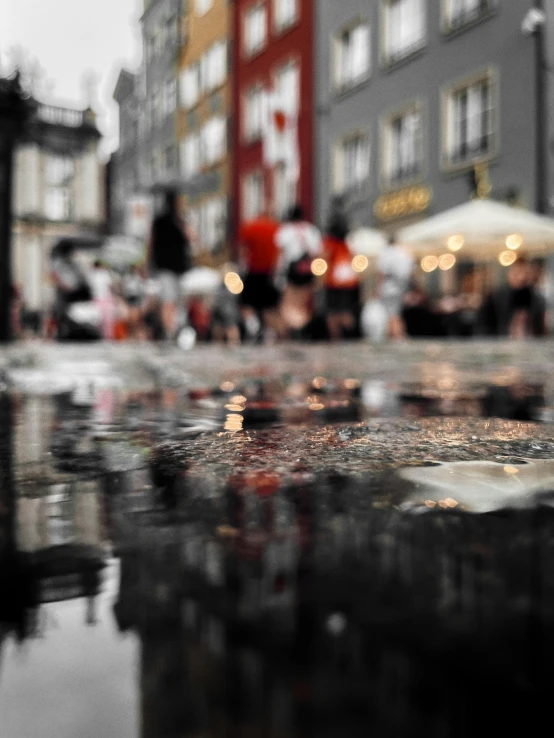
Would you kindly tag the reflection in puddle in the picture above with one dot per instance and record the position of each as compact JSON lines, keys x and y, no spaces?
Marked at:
{"x":268,"y":599}
{"x":481,"y":486}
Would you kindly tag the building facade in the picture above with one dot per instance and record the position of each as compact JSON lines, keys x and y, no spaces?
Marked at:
{"x":59,"y":192}
{"x":203,"y":129}
{"x":125,"y":162}
{"x":410,"y":100}
{"x":273,"y":50}
{"x":156,"y":92}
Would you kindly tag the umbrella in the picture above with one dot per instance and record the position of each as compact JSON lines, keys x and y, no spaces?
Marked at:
{"x":200,"y":281}
{"x":122,"y":251}
{"x":480,"y":226}
{"x":367,"y":242}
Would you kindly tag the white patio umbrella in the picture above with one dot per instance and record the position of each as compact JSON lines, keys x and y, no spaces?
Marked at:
{"x":367,"y":242}
{"x":481,"y":229}
{"x":122,"y":251}
{"x":200,"y":281}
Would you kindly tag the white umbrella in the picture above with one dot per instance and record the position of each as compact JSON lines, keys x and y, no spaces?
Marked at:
{"x":122,"y":251}
{"x":367,"y":242}
{"x":200,"y":281}
{"x":479,"y":226}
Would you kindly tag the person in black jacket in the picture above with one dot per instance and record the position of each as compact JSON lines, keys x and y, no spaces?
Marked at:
{"x":168,"y":259}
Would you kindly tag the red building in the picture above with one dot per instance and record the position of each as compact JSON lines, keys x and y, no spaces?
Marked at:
{"x":273,"y":51}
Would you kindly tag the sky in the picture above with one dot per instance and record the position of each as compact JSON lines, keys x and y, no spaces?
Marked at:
{"x":70,"y":38}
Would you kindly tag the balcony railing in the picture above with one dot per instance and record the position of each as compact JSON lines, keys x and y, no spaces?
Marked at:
{"x":60,"y":116}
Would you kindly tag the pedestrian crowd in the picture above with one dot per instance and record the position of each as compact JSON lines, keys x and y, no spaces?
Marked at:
{"x":291,"y":282}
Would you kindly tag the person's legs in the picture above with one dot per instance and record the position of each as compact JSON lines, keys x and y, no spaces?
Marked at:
{"x":169,"y":294}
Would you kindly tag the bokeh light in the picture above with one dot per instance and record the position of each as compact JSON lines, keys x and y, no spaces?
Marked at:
{"x":233,"y":283}
{"x":360,"y":263}
{"x":446,"y":262}
{"x":455,"y":243}
{"x":429,"y":263}
{"x":507,"y":258}
{"x":514,"y":241}
{"x":319,"y":267}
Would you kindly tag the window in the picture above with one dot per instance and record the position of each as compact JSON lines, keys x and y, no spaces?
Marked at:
{"x":202,"y":6}
{"x":191,"y":159}
{"x":470,"y":121}
{"x":351,"y":170}
{"x":159,"y":40}
{"x":404,"y":23}
{"x":253,"y":113}
{"x":285,"y":13}
{"x":283,"y":193}
{"x":150,"y":49}
{"x":190,"y":86}
{"x":287,"y":85}
{"x":213,"y":66}
{"x":253,"y":195}
{"x":255,"y":29}
{"x":170,"y":97}
{"x":158,"y":106}
{"x":352,"y":56}
{"x":170,"y":158}
{"x":459,"y":13}
{"x":214,"y":140}
{"x":171,"y":30}
{"x":403,"y":146}
{"x":59,"y":173}
{"x":213,"y":222}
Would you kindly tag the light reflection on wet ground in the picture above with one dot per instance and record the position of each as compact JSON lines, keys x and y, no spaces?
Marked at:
{"x":244,"y":558}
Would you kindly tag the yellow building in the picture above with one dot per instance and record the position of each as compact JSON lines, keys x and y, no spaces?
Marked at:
{"x":203,"y":121}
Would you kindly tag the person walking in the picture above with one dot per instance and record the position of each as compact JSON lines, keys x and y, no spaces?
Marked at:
{"x":342,"y":284}
{"x":101,"y":283}
{"x":169,"y":258}
{"x":395,"y":267}
{"x":299,"y":243}
{"x":260,"y":298}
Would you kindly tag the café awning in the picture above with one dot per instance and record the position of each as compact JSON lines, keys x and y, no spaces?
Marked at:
{"x":480,"y":228}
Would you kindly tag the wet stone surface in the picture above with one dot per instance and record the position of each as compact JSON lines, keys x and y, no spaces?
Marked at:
{"x":288,"y":542}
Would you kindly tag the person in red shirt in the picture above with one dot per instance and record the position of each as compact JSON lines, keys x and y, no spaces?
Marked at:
{"x":342,"y":284}
{"x":259,"y":256}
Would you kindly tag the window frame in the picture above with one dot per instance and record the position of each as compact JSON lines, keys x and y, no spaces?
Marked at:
{"x":338,"y":149}
{"x":341,"y":87}
{"x":450,"y":29}
{"x":248,"y":52}
{"x":448,"y":90}
{"x":198,"y":13}
{"x":389,"y":61}
{"x":386,"y":182}
{"x":279,"y":29}
{"x":248,"y":136}
{"x":255,"y":172}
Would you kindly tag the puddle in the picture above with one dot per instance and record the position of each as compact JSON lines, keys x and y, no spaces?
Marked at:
{"x":240,"y":559}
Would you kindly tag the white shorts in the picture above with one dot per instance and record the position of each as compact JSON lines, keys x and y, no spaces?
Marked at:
{"x":169,"y":286}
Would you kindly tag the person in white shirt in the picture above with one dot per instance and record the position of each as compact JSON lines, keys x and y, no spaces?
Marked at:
{"x":299,"y":243}
{"x":101,"y":282}
{"x":395,"y":267}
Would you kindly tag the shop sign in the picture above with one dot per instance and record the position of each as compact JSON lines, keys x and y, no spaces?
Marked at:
{"x":399,"y":204}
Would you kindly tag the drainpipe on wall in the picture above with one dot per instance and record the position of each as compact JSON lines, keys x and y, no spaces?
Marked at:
{"x":534,"y":24}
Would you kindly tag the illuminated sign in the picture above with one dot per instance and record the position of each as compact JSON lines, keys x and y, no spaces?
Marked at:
{"x":408,"y":201}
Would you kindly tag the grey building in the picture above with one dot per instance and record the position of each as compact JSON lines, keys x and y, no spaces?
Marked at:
{"x":413,"y":94}
{"x":125,"y":162}
{"x":157,"y":91}
{"x":147,"y":158}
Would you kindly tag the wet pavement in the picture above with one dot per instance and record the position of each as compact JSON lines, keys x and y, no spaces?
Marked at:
{"x":289,"y":541}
